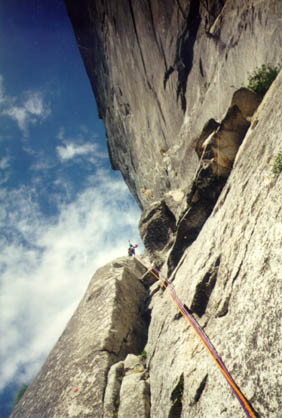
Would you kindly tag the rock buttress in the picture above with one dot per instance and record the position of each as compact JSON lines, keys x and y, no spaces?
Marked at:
{"x":106,"y":326}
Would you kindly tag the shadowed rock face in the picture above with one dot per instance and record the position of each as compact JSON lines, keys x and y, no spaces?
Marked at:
{"x":157,"y":227}
{"x":128,"y":47}
{"x":138,"y":55}
{"x":216,"y":147}
{"x":209,"y":128}
{"x":160,"y":69}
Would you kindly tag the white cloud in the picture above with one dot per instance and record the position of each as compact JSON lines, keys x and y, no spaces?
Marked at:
{"x":82,"y":147}
{"x":46,"y":266}
{"x":30,"y":110}
{"x":20,"y":115}
{"x":72,"y":150}
{"x":34,"y":104}
{"x":2,"y":92}
{"x":41,"y":164}
{"x":61,"y":133}
{"x":4,"y":163}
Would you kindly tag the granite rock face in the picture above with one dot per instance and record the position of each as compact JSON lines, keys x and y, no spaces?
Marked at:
{"x":106,"y":326}
{"x":176,"y":220}
{"x":124,"y":378}
{"x":160,"y":69}
{"x":231,"y":279}
{"x":135,"y":383}
{"x":197,"y":151}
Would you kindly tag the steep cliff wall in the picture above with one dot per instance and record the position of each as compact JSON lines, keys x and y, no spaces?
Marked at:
{"x":231,"y":278}
{"x":160,"y":69}
{"x":164,"y":73}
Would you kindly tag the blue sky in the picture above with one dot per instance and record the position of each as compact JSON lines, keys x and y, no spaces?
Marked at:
{"x":63,"y":211}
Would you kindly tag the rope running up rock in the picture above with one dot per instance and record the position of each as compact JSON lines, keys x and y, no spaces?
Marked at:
{"x":168,"y":285}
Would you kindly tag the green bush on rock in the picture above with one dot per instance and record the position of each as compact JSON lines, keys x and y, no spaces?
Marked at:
{"x":262,"y":78}
{"x":277,"y":165}
{"x":144,"y":354}
{"x":19,"y":394}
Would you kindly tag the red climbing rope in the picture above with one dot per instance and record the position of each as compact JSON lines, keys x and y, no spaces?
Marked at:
{"x":204,"y":338}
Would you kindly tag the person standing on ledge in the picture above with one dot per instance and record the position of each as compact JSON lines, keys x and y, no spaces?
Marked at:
{"x":131,"y":249}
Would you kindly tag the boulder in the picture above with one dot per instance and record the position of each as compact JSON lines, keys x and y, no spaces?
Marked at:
{"x":128,"y":390}
{"x":247,"y":101}
{"x":136,"y":384}
{"x":224,"y":143}
{"x":220,"y":142}
{"x":157,"y":228}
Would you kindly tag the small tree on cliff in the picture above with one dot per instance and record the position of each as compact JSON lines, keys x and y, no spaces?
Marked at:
{"x":19,"y":394}
{"x":262,"y":78}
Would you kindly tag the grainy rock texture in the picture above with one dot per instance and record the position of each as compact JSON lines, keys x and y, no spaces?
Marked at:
{"x":231,"y":278}
{"x":168,"y":79}
{"x":134,"y":383}
{"x":106,"y":326}
{"x":160,"y":69}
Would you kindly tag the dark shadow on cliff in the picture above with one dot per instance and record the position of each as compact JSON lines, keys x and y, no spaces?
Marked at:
{"x":185,"y":51}
{"x":206,"y":189}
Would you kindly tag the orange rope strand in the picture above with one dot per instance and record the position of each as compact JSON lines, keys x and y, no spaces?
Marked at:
{"x":227,"y":377}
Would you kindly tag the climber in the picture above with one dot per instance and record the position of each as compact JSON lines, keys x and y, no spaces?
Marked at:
{"x":131,"y":249}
